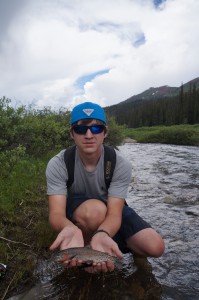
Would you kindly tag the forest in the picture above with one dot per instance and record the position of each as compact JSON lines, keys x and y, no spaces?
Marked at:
{"x":180,"y":109}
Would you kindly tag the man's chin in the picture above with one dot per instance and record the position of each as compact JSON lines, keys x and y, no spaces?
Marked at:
{"x":89,"y":148}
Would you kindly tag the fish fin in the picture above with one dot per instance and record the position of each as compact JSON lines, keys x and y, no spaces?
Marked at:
{"x":72,"y":256}
{"x":88,"y":262}
{"x":88,"y":246}
{"x":66,"y":257}
{"x":85,"y":265}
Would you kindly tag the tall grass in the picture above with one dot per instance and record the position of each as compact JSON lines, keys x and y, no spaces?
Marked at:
{"x":176,"y":135}
{"x":24,"y":229}
{"x":25,"y":181}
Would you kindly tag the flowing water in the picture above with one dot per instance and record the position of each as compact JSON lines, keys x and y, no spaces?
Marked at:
{"x":165,"y":192}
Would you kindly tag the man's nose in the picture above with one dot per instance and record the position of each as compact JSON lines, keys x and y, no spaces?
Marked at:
{"x":88,"y":133}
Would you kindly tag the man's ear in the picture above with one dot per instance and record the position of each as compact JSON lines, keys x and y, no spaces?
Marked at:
{"x":71,"y":134}
{"x":105,"y":132}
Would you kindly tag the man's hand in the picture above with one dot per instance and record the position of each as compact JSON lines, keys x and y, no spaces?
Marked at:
{"x":70,"y":236}
{"x":102,"y":242}
{"x":107,"y":266}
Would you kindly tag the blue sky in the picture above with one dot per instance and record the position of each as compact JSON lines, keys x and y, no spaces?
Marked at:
{"x":59,"y":53}
{"x":87,"y":78}
{"x":158,"y":2}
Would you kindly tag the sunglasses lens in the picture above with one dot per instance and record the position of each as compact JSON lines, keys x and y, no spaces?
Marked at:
{"x":82,"y":129}
{"x":95,"y":129}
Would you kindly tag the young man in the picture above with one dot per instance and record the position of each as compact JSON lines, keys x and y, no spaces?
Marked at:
{"x":88,"y":213}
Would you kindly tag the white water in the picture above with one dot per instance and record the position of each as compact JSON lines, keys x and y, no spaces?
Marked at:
{"x":165,"y":191}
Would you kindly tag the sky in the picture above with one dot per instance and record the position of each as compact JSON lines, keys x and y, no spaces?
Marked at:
{"x":60,"y":53}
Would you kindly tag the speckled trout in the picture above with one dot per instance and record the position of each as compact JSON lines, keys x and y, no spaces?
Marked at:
{"x":86,"y":254}
{"x":48,"y":269}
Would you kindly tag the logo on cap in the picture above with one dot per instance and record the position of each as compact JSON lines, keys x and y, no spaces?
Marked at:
{"x":88,"y":111}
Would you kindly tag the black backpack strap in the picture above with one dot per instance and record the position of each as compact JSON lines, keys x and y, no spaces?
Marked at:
{"x":109,"y":164}
{"x":69,"y":158}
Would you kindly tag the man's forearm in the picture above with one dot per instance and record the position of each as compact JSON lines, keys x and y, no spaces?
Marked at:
{"x":58,"y":222}
{"x":57,"y":212}
{"x":111,"y":224}
{"x":113,"y":219}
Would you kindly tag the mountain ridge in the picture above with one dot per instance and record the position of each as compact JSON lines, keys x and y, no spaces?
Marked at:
{"x":164,"y":91}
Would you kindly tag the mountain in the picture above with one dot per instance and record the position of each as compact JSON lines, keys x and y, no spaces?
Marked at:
{"x":162,"y":105}
{"x":187,"y":85}
{"x":160,"y":92}
{"x":154,"y":93}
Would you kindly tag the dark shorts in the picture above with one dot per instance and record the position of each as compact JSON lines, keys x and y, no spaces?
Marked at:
{"x":131,"y":221}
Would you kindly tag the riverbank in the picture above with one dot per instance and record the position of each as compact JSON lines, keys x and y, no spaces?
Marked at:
{"x":25,"y":233}
{"x":187,"y":135}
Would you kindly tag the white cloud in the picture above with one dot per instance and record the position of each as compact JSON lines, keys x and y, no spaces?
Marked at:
{"x":50,"y":44}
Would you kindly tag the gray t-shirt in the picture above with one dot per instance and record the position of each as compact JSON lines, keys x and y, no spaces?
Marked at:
{"x":90,"y":184}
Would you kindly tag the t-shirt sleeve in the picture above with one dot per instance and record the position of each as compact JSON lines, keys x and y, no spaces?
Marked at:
{"x":121,"y":178}
{"x":56,"y":176}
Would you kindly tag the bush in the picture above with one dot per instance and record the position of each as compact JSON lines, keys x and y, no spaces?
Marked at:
{"x":38,"y":131}
{"x":177,"y":134}
{"x":174,"y":135}
{"x":9,"y":158}
{"x":115,"y":135}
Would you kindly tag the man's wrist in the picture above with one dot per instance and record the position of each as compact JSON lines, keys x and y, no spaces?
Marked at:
{"x":98,"y":231}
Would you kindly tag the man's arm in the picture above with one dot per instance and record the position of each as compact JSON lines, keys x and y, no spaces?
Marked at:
{"x":102,"y":241}
{"x":69,"y":235}
{"x":57,"y":212}
{"x":113,"y":219}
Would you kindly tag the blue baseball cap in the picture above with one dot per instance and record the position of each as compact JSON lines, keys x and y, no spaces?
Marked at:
{"x":87,"y":110}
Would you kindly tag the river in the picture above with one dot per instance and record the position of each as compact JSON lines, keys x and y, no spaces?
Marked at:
{"x":165,"y":192}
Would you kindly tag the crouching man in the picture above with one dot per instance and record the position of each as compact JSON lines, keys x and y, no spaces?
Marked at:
{"x":88,"y":212}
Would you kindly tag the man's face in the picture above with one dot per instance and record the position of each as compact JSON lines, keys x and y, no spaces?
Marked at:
{"x":88,"y":142}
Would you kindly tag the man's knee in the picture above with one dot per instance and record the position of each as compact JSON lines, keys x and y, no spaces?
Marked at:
{"x":147,"y":242}
{"x":156,"y":247}
{"x":90,"y":213}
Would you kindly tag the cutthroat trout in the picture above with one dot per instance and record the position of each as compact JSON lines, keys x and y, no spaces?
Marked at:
{"x":86,"y":254}
{"x":52,"y":267}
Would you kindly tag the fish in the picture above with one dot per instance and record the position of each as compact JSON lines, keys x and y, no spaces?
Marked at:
{"x":87,"y":255}
{"x":48,"y":269}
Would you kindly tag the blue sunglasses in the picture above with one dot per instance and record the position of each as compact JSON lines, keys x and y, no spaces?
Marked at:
{"x":82,"y":129}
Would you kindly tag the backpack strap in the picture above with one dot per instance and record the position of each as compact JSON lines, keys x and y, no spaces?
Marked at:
{"x":69,"y":158}
{"x":109,"y":164}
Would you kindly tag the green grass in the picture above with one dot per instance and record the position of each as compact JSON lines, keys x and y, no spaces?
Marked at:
{"x":177,"y":134}
{"x":23,"y":222}
{"x":24,"y":182}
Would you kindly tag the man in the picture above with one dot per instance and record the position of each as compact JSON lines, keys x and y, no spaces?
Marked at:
{"x":89,"y":213}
